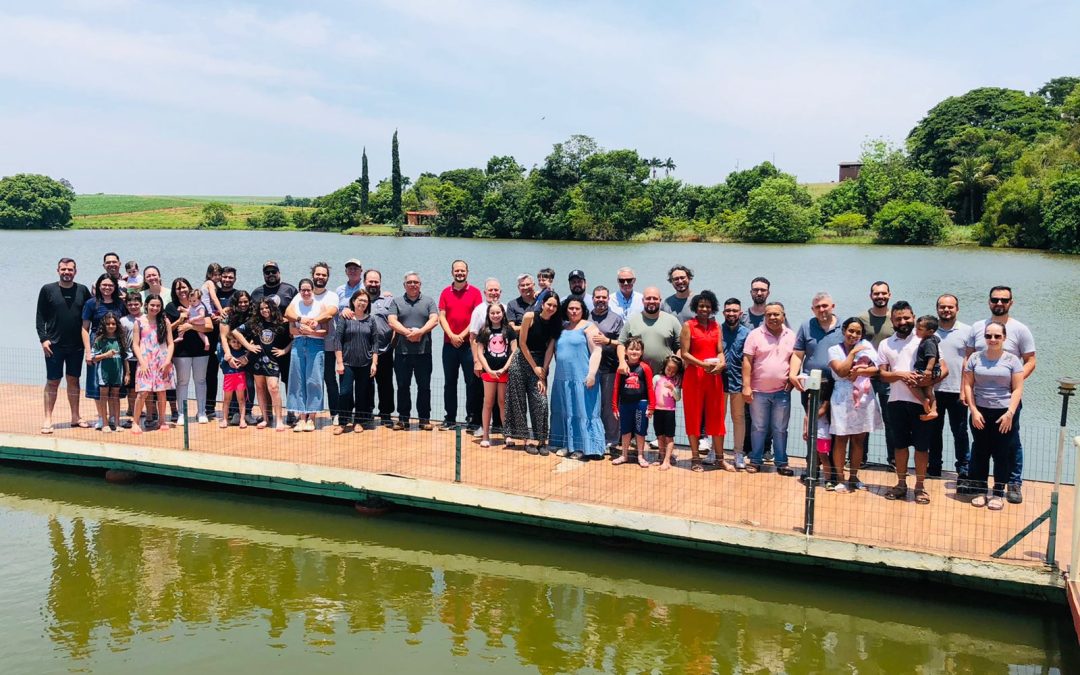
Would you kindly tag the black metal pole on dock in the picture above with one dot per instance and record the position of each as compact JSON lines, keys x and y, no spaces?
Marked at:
{"x":1066,"y":387}
{"x":457,"y":453}
{"x":814,"y":388}
{"x":187,"y":418}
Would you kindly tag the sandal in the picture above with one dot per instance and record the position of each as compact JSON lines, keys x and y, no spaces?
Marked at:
{"x":979,"y":501}
{"x":485,"y":444}
{"x":81,"y":424}
{"x":261,"y":425}
{"x":696,"y":467}
{"x":724,"y":466}
{"x":642,"y":462}
{"x":995,"y":504}
{"x":752,"y":468}
{"x":619,"y":460}
{"x":46,"y":429}
{"x":896,"y":492}
{"x":922,"y":496}
{"x":338,"y":430}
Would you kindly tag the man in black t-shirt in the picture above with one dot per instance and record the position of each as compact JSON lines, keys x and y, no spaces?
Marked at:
{"x":59,"y":329}
{"x":279,"y":292}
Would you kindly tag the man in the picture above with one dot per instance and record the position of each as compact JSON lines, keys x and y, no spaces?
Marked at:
{"x":627,"y":302}
{"x":577,"y":290}
{"x":879,"y":328}
{"x":1018,"y":341}
{"x":659,"y":331}
{"x":759,"y":295}
{"x":812,"y":343}
{"x":354,"y":281}
{"x":384,"y":372}
{"x":896,"y":357}
{"x":609,"y":325}
{"x":678,"y":303}
{"x":492,"y":295}
{"x":328,"y":301}
{"x":953,"y":335}
{"x":59,"y":329}
{"x":281,"y":294}
{"x":734,"y":334}
{"x":412,"y":317}
{"x":516,"y":308}
{"x":766,"y":385}
{"x":110,"y":262}
{"x":456,"y":305}
{"x":225,"y":295}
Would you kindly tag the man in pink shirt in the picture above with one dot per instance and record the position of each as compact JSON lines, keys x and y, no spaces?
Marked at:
{"x":766,"y":359}
{"x":456,"y":305}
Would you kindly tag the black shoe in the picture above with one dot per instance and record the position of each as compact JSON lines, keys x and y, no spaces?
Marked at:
{"x":447,"y":425}
{"x":126,"y":424}
{"x":251,"y":419}
{"x":785,"y":471}
{"x":933,"y":473}
{"x":577,"y":454}
{"x":543,"y":450}
{"x":532,"y":449}
{"x":769,"y":456}
{"x":1013,"y":495}
{"x":386,"y":422}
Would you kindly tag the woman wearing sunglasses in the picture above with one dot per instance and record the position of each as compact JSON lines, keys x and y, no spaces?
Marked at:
{"x":993,"y":386}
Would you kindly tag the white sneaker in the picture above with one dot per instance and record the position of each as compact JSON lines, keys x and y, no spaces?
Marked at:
{"x":179,"y":421}
{"x":706,"y":444}
{"x":478,"y":432}
{"x":334,"y":422}
{"x":740,"y":460}
{"x":203,"y":419}
{"x":654,"y":444}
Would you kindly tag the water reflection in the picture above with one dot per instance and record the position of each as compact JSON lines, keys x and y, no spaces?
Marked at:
{"x":198,"y":569}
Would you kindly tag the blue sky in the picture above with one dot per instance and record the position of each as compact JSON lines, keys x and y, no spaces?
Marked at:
{"x":126,"y":96}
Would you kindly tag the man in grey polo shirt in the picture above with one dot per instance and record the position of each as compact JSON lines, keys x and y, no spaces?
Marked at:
{"x":610,"y":325}
{"x":413,"y":316}
{"x":953,"y":335}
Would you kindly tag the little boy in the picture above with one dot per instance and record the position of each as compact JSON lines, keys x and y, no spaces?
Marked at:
{"x":233,"y":378}
{"x":927,"y":364}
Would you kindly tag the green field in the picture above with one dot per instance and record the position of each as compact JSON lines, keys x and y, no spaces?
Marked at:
{"x":182,"y":218}
{"x":818,"y":189}
{"x":101,"y":204}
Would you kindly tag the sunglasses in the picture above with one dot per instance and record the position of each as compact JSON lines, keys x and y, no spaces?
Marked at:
{"x":1000,"y":301}
{"x":626,"y":282}
{"x":991,"y":336}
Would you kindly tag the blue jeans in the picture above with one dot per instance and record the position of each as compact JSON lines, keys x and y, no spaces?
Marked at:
{"x":452,"y":359}
{"x":1017,"y":475}
{"x":305,"y":390}
{"x":769,"y":412}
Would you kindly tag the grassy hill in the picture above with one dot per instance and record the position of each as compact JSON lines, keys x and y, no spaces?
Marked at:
{"x":101,"y":204}
{"x":179,"y":212}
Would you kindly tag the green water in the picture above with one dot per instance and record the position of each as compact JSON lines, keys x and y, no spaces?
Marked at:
{"x":153,"y":578}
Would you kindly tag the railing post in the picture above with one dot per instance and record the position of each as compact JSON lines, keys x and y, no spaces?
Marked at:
{"x":1074,"y":553}
{"x":457,"y":453}
{"x":187,"y":421}
{"x":1066,"y":387}
{"x":813,"y":386}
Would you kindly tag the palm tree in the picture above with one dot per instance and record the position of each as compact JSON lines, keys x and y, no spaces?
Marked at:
{"x":668,"y":167}
{"x":654,"y":164}
{"x":972,"y":178}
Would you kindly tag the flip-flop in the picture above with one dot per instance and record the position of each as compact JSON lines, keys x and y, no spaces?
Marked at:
{"x":696,"y":467}
{"x":922,"y":497}
{"x":47,"y":429}
{"x":619,"y":460}
{"x":81,"y":424}
{"x":643,"y":463}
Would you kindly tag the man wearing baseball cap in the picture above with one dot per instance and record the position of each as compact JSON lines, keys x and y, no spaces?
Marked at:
{"x":577,"y":289}
{"x":354,"y":275}
{"x":281,"y":294}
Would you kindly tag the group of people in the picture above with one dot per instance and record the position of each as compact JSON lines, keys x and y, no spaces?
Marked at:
{"x":581,"y":376}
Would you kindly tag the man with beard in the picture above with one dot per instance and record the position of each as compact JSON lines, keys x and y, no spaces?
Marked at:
{"x":659,"y":331}
{"x":492,"y":295}
{"x":456,"y":304}
{"x":878,"y":329}
{"x":59,"y":329}
{"x":384,"y":371}
{"x":516,"y":308}
{"x":766,"y":386}
{"x":734,"y":333}
{"x":609,"y":325}
{"x":677,"y":303}
{"x":627,"y":301}
{"x":759,"y":295}
{"x":577,"y":290}
{"x":281,"y":294}
{"x":328,"y":308}
{"x":110,"y":262}
{"x":953,"y":335}
{"x":1020,"y":342}
{"x":896,"y":357}
{"x":225,"y":294}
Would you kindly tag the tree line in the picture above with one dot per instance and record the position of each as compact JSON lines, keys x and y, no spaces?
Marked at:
{"x":1003,"y":161}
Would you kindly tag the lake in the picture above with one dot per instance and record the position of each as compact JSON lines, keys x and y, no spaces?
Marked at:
{"x":155,"y":578}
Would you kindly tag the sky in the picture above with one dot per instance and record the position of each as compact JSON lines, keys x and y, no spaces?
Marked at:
{"x":275,"y":98}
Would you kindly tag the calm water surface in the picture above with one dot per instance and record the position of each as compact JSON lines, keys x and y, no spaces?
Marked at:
{"x":151,"y":578}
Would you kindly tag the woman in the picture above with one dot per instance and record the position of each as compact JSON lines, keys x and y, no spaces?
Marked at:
{"x":576,"y":427}
{"x":153,"y":345}
{"x":191,"y":354}
{"x":106,"y":299}
{"x":305,"y":391}
{"x":853,"y":407}
{"x":356,"y":342}
{"x":703,"y":382}
{"x":527,"y":385}
{"x":152,"y":282}
{"x":267,"y":337}
{"x":993,"y":385}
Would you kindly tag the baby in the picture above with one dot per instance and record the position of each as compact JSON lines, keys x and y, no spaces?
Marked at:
{"x":197,"y":312}
{"x":927,"y":364}
{"x":862,"y":385}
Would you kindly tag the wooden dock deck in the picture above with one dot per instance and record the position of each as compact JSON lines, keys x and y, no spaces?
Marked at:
{"x":760,"y":515}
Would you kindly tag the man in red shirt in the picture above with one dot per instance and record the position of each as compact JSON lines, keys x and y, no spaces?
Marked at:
{"x":456,"y":305}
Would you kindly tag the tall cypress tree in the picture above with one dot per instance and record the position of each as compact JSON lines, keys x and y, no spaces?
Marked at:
{"x":395,"y":180}
{"x":365,"y":184}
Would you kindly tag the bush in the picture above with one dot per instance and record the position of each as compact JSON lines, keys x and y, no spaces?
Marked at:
{"x":777,"y":211}
{"x":31,"y":201}
{"x":844,"y":198}
{"x":215,"y":214}
{"x":1062,"y":213}
{"x":1013,"y":216}
{"x":846,"y":224}
{"x":275,"y":217}
{"x":900,"y":222}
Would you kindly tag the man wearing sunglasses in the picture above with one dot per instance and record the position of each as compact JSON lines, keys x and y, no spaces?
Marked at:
{"x":1020,"y":342}
{"x":626,"y":301}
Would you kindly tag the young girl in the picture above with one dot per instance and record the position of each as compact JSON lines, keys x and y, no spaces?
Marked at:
{"x":111,"y":359}
{"x":267,"y":338}
{"x":133,"y":281}
{"x":666,"y":392}
{"x":210,"y":288}
{"x":497,"y":342}
{"x":634,"y":401}
{"x":133,"y":303}
{"x":198,"y":312}
{"x":153,"y":344}
{"x":234,"y":379}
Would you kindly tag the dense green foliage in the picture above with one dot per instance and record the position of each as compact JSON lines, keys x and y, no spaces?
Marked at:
{"x":271,"y":218}
{"x":903,"y":222}
{"x":365,"y":182}
{"x":215,"y":214}
{"x":1062,"y":213}
{"x":395,"y":181}
{"x":31,"y":201}
{"x":846,"y":224}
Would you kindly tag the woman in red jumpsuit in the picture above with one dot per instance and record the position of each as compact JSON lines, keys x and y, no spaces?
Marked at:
{"x":703,"y":382}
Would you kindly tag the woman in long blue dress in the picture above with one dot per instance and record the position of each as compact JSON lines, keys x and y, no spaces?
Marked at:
{"x":576,"y":427}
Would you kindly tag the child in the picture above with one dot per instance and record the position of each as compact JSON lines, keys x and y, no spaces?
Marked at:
{"x":234,"y":379}
{"x":927,"y":364}
{"x":666,"y":392}
{"x":497,"y":342}
{"x":197,"y":312}
{"x":133,"y":281}
{"x":133,"y":303}
{"x":634,"y":402}
{"x":823,"y":442}
{"x":111,"y":358}
{"x":210,"y":288}
{"x":862,"y":384}
{"x":153,"y":345}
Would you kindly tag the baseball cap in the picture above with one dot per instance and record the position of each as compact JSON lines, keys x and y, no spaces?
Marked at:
{"x":270,"y":264}
{"x":353,"y":261}
{"x":576,"y":273}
